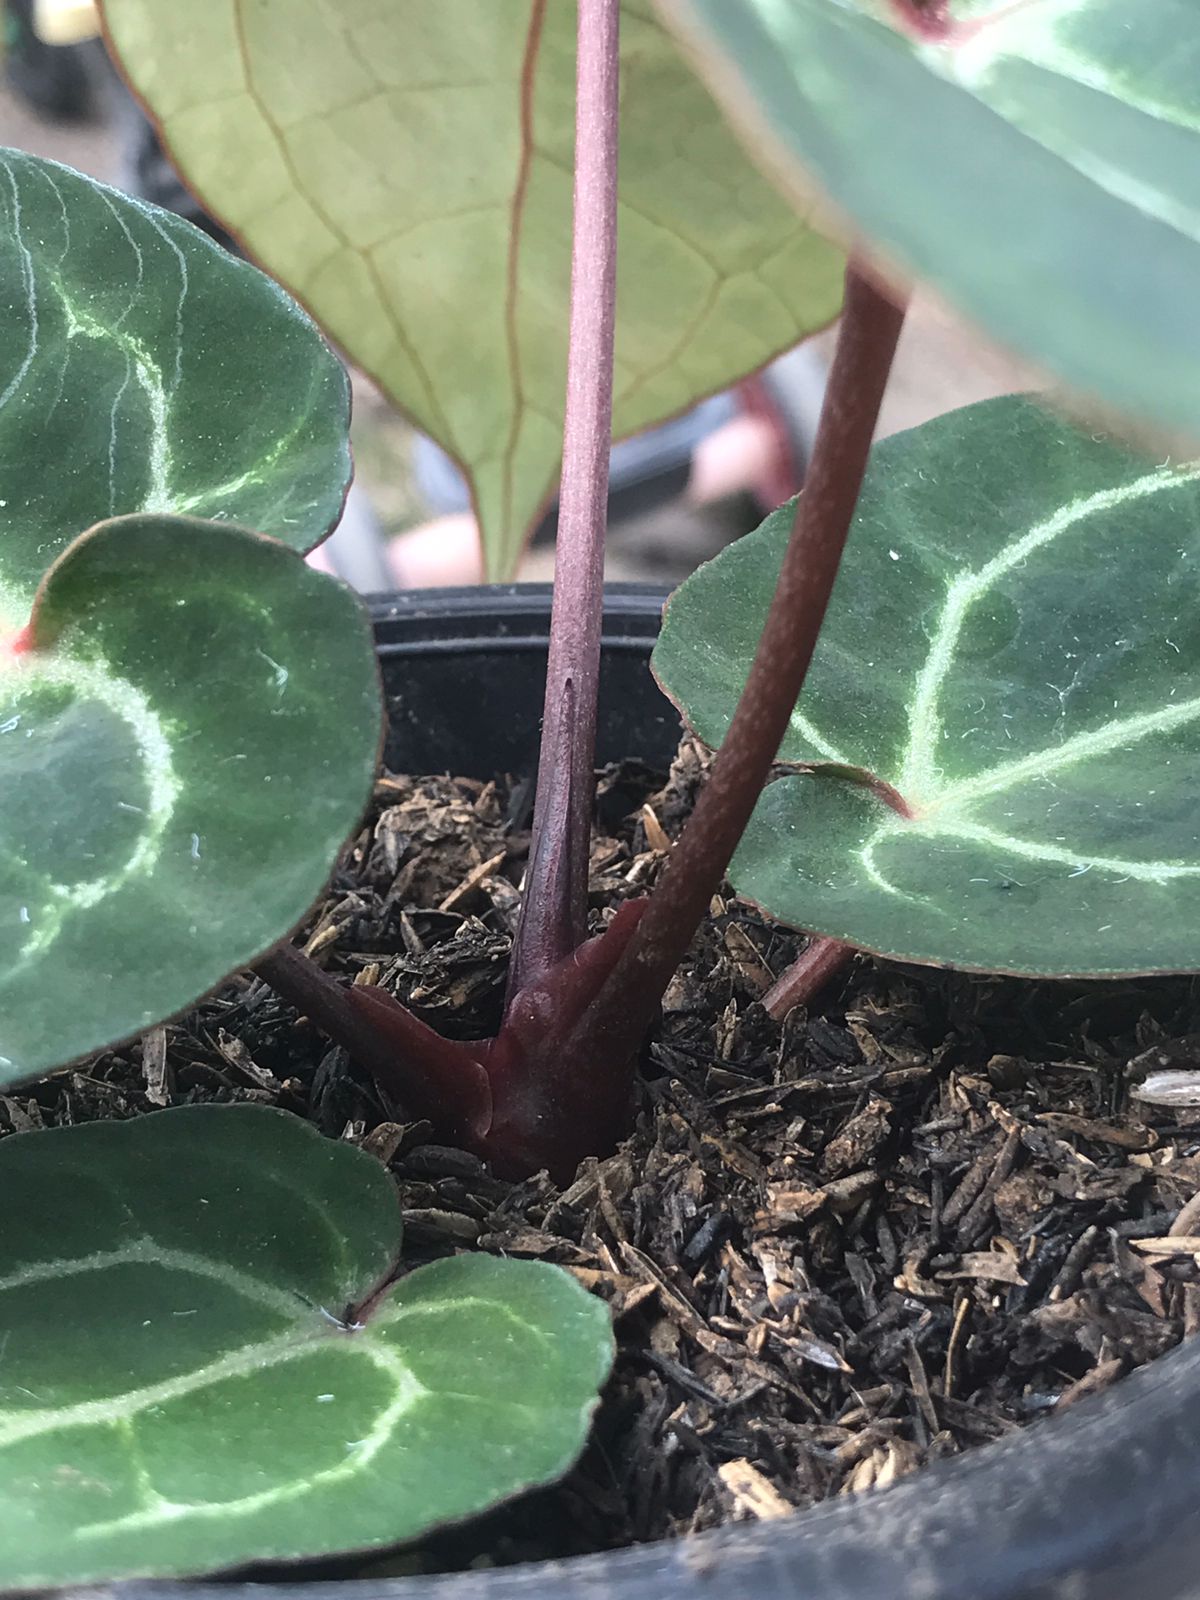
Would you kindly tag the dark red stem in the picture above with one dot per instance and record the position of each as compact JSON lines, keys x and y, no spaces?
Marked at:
{"x":615,"y":1023}
{"x":446,"y":1080}
{"x":818,"y":963}
{"x":863,"y":779}
{"x":554,"y":910}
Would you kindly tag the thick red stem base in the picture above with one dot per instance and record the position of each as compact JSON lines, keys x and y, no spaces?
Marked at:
{"x":526,"y":1099}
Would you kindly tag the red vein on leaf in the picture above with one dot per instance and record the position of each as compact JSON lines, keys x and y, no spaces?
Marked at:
{"x":933,"y":22}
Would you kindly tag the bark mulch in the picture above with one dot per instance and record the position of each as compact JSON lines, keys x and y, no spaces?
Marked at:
{"x":927,"y":1212}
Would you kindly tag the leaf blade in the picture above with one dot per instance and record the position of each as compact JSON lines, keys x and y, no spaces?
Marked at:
{"x":1061,"y":125}
{"x":447,"y":136}
{"x":179,"y":767}
{"x":1011,"y":645}
{"x":146,"y":370}
{"x":238,"y":1447}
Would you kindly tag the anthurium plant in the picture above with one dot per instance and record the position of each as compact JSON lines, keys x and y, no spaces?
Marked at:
{"x":987,"y":746}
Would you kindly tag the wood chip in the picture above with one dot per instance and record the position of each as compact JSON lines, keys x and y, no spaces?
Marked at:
{"x":734,"y":1155}
{"x":788,"y":1207}
{"x":1098,"y":1132}
{"x":623,"y":1294}
{"x":238,"y":1056}
{"x":672,"y":1302}
{"x":1184,"y":1244}
{"x":427,"y":1222}
{"x":845,"y":1194}
{"x":949,"y":1372}
{"x":992,"y":1266}
{"x":472,"y":881}
{"x":154,"y":1066}
{"x":753,"y":1495}
{"x":1171,"y":1089}
{"x":920,"y":1385}
{"x":815,"y":1351}
{"x":1092,"y":1382}
{"x":1188,"y":1220}
{"x":383,"y":1141}
{"x":656,"y":836}
{"x":749,"y":965}
{"x":853,"y":1147}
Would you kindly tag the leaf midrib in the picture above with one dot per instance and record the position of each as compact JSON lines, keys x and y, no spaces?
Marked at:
{"x":303,"y":1332}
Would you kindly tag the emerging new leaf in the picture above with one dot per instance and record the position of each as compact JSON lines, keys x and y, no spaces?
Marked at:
{"x":406,"y":170}
{"x":202,"y":1367}
{"x":1035,"y":159}
{"x":1002,"y":719}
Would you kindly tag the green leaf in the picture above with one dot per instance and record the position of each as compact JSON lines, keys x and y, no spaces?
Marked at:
{"x":1014,"y":645}
{"x":179,"y":760}
{"x":1039,"y":167}
{"x":406,"y":170}
{"x":143,"y":369}
{"x":183,"y":750}
{"x":197,"y":1374}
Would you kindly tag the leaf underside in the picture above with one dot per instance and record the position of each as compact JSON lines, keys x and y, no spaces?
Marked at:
{"x":180,"y":1391}
{"x":406,"y":170}
{"x":1014,"y":645}
{"x":1038,"y":166}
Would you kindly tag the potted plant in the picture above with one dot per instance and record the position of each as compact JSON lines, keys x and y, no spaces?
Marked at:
{"x":283,"y":1248}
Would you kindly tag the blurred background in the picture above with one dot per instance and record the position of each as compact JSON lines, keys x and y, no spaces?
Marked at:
{"x":679,"y":492}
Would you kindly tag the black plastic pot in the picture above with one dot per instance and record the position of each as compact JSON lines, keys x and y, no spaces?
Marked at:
{"x":464,"y":671}
{"x":1102,"y":1504}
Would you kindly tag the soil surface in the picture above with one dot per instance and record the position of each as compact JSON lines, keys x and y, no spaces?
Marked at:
{"x":927,"y":1212}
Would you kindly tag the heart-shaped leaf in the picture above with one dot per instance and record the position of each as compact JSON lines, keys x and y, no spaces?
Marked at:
{"x":201,"y":1367}
{"x":189,"y":722}
{"x":143,"y":369}
{"x":187,"y":735}
{"x":1011,"y":655}
{"x":1036,"y":162}
{"x":406,"y":170}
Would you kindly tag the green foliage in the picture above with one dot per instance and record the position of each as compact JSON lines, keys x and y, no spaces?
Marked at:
{"x":178,"y":769}
{"x":221,"y":1409}
{"x":1011,"y":645}
{"x":406,"y":169}
{"x":142,"y":368}
{"x":190,"y":721}
{"x":1039,"y":167}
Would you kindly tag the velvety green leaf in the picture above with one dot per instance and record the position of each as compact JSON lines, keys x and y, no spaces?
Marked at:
{"x":143,"y":369}
{"x":196,"y":1374}
{"x":1039,"y":166}
{"x":406,"y":170}
{"x":193,"y":732}
{"x":1014,"y":645}
{"x":182,"y":753}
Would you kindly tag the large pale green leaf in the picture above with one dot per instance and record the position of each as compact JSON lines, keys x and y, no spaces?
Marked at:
{"x":1013,"y":644}
{"x":406,"y":170}
{"x":184,"y":746}
{"x":1040,"y":167}
{"x":142,"y":368}
{"x":197,"y":1372}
